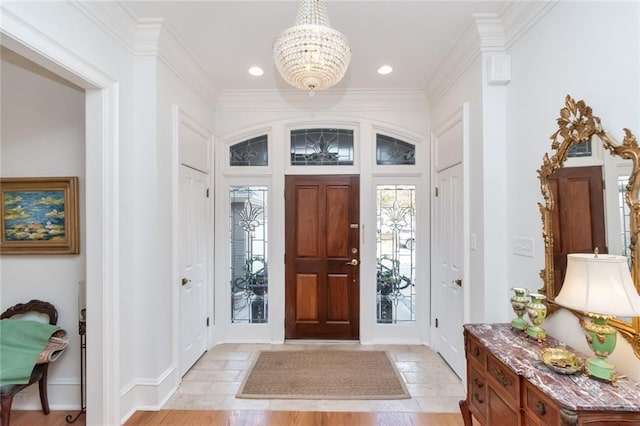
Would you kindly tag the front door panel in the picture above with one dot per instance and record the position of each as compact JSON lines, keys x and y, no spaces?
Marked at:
{"x":322,"y":256}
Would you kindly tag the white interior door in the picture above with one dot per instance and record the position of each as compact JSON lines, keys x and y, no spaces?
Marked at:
{"x":194,"y":258}
{"x":448,"y":291}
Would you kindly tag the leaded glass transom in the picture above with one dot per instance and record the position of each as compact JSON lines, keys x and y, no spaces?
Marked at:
{"x":252,"y":152}
{"x":395,"y":254}
{"x":582,"y":149}
{"x":322,"y":147}
{"x":392,"y":151}
{"x":248,"y":244}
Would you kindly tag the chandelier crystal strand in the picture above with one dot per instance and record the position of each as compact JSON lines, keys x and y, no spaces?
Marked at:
{"x":311,"y":55}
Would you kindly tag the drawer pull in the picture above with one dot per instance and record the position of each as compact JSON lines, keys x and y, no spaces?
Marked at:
{"x":541,"y":409}
{"x":475,"y":351}
{"x":500,"y":377}
{"x":478,"y":383}
{"x":476,"y":396}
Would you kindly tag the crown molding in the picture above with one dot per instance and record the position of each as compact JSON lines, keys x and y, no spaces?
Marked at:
{"x":486,"y":33}
{"x":464,"y":51}
{"x":113,"y":19}
{"x":490,"y":32}
{"x":151,"y":37}
{"x":519,"y":17}
{"x":180,"y":59}
{"x":334,"y":100}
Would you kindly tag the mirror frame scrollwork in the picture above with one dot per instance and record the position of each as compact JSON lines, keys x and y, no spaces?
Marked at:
{"x":577,"y":124}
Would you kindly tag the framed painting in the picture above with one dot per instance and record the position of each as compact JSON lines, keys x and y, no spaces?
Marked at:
{"x":39,"y":215}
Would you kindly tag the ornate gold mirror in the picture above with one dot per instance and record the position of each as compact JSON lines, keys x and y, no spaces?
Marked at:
{"x":577,"y":125}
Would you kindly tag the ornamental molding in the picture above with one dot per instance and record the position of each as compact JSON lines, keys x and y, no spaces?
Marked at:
{"x":151,"y":37}
{"x":330,"y":99}
{"x":486,"y":33}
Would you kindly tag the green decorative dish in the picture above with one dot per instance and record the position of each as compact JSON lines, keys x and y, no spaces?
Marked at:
{"x":561,"y":360}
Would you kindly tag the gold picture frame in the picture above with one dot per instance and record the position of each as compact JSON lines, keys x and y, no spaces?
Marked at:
{"x":576,"y":125}
{"x":39,"y":215}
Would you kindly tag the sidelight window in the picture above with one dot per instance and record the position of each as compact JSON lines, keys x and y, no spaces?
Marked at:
{"x":395,"y":254}
{"x":248,"y":242}
{"x":625,"y":232}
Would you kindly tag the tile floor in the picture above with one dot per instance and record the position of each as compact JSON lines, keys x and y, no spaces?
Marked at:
{"x":213,"y":381}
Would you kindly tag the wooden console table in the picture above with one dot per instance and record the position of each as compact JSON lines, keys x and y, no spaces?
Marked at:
{"x":507,"y":384}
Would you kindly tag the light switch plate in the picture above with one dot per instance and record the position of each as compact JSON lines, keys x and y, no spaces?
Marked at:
{"x":522,"y":246}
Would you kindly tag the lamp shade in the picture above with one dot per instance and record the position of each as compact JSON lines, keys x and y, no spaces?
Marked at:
{"x":599,"y":284}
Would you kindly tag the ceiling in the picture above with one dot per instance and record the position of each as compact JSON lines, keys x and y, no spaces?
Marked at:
{"x":228,"y":37}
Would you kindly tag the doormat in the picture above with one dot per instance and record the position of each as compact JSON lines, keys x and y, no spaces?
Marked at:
{"x":323,"y":375}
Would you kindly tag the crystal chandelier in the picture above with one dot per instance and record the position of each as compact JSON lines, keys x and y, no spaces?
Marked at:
{"x":311,"y":55}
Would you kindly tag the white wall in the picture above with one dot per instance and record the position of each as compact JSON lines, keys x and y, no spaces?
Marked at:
{"x":74,"y":36}
{"x":43,"y":136}
{"x":588,"y":50}
{"x":155,"y":374}
{"x":468,"y":88}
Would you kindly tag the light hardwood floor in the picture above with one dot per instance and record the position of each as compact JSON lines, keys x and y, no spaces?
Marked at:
{"x":207,"y":395}
{"x":250,"y":418}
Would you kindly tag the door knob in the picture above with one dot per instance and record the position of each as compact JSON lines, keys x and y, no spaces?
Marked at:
{"x":185,"y":281}
{"x":353,"y":262}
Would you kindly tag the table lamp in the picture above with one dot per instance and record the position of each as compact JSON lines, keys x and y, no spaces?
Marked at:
{"x":600,"y":286}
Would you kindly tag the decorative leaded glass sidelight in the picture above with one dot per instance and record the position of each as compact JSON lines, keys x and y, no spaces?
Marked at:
{"x":252,"y":152}
{"x":393,"y":152}
{"x":248,"y":240}
{"x":322,"y":147}
{"x":395,"y":254}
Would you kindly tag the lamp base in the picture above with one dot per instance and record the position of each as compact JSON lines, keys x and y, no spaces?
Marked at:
{"x":602,"y":339}
{"x":601,"y":369}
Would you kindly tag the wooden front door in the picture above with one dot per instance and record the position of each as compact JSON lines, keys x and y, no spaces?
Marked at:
{"x":577,"y":216}
{"x":322,"y":255}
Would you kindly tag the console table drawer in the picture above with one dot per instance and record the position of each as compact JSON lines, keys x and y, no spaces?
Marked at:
{"x":507,"y":381}
{"x":476,"y":352}
{"x":539,"y":406}
{"x":478,"y":392}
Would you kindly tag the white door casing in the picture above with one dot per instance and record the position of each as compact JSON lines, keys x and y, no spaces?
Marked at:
{"x":450,"y":254}
{"x":194,"y":237}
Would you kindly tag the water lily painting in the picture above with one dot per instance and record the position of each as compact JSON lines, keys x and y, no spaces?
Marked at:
{"x":39,"y":215}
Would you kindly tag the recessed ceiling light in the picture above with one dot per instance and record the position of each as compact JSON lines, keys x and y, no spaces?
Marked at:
{"x":385,"y":69}
{"x":256,"y":71}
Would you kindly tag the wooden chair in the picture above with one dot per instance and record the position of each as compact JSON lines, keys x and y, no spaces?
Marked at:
{"x":39,"y":373}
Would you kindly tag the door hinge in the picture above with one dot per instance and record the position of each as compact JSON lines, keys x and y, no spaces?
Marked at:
{"x":207,"y":192}
{"x":604,"y":184}
{"x":207,"y":321}
{"x":436,"y":191}
{"x":436,"y":322}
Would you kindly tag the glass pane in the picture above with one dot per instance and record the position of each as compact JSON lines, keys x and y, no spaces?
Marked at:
{"x":396,"y":289}
{"x":623,"y":181}
{"x":248,"y":241}
{"x":322,"y":147}
{"x":391,"y":151}
{"x":582,"y":149}
{"x":252,"y":152}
